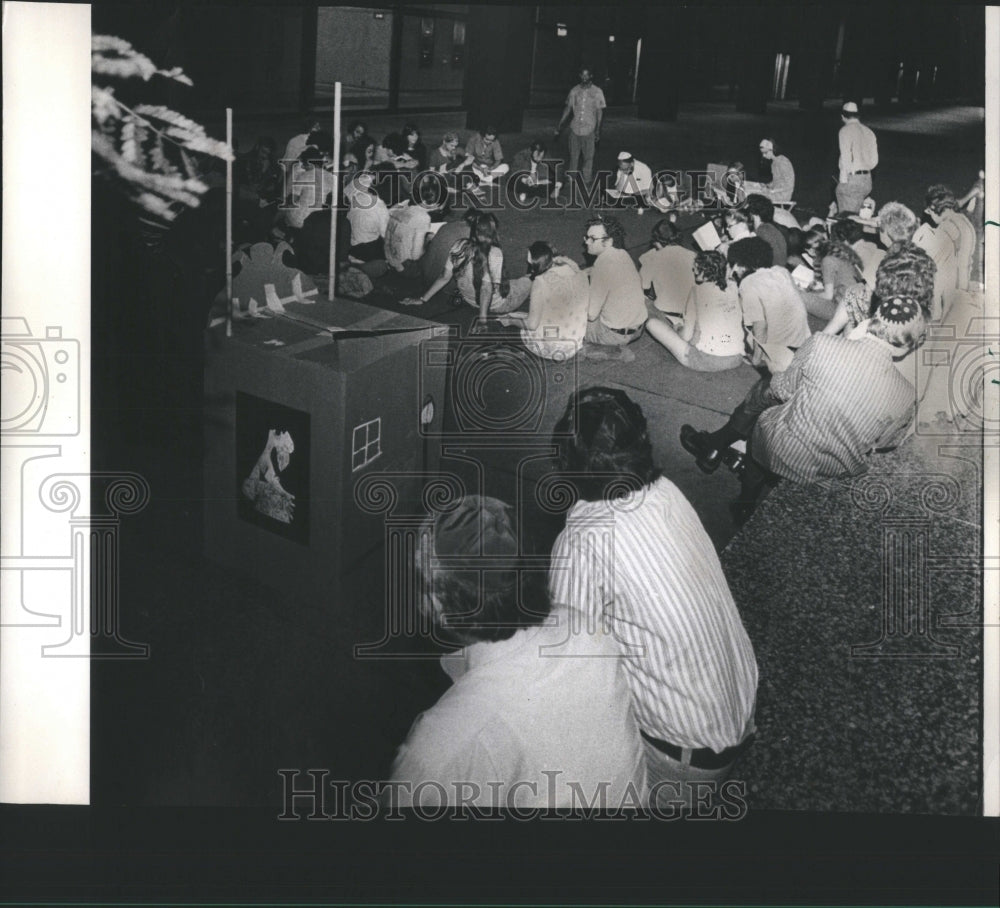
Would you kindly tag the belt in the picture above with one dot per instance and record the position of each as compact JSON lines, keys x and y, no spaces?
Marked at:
{"x":625,"y":331}
{"x":860,"y":171}
{"x":703,"y":757}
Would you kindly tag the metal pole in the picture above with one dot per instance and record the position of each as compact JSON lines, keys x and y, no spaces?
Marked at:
{"x":336,"y":189}
{"x":229,"y":224}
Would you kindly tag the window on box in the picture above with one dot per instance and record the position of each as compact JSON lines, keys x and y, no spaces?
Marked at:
{"x":366,"y":444}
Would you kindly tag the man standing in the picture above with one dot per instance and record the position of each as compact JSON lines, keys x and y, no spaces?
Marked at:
{"x":616,"y":310}
{"x":858,"y":158}
{"x":782,"y":183}
{"x":635,"y":559}
{"x":583,"y":112}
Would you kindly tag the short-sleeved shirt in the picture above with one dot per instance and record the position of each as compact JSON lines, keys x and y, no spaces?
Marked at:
{"x":304,"y":195}
{"x":616,"y":295}
{"x":368,"y":217}
{"x":465,"y":279}
{"x":842,"y":274}
{"x":769,"y":296}
{"x":670,"y":272}
{"x":639,"y":180}
{"x":585,"y":102}
{"x":776,"y":240}
{"x":858,"y":148}
{"x":485,"y":155}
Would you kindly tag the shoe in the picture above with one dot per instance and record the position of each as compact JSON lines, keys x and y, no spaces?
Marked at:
{"x":735,"y":460}
{"x":695,"y":442}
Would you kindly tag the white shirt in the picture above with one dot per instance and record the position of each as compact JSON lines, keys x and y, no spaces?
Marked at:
{"x":368,"y":217}
{"x":304,"y":194}
{"x":639,"y":180}
{"x":647,"y":564}
{"x":858,"y":149}
{"x":557,"y":313}
{"x":406,"y":234}
{"x":547,"y":700}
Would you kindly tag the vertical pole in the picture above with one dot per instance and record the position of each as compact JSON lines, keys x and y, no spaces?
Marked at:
{"x":336,"y":190}
{"x":229,"y":224}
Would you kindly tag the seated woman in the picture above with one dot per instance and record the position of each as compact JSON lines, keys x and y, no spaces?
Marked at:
{"x":534,"y":177}
{"x":711,"y":337}
{"x":556,"y":320}
{"x":410,"y":227}
{"x":414,"y":151}
{"x":477,"y":265}
{"x":667,"y":270}
{"x":312,"y":189}
{"x":369,"y":218}
{"x":837,"y":267}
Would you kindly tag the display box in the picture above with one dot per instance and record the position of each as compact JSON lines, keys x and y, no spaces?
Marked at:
{"x":302,"y":408}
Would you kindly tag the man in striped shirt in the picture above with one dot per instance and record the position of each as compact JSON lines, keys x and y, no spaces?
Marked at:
{"x":840,"y":400}
{"x":635,"y":557}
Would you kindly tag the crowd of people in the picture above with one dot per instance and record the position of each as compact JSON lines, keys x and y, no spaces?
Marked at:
{"x":828,"y":309}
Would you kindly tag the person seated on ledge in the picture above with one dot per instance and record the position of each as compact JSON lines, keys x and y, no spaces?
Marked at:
{"x":837,"y":267}
{"x":761,"y":212}
{"x":633,"y":182}
{"x":534,"y":176}
{"x":782,"y":183}
{"x":667,"y":270}
{"x":369,"y":218}
{"x":477,"y":265}
{"x":487,"y":155}
{"x":616,"y":308}
{"x":839,"y":401}
{"x":410,"y":226}
{"x":556,"y":320}
{"x":711,"y":337}
{"x":538,"y":715}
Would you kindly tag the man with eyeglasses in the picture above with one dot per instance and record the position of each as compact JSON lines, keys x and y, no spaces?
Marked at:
{"x":782,"y":183}
{"x":616,"y":310}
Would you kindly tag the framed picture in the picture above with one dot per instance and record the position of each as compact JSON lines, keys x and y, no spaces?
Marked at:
{"x":272,"y":466}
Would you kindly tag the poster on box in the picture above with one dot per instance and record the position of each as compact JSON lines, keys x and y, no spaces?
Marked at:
{"x":272,"y":466}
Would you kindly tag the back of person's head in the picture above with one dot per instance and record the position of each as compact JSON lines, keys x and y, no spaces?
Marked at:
{"x":613,"y":227}
{"x":470,"y":217}
{"x":471,"y":576}
{"x":541,"y":255}
{"x":899,"y":321}
{"x":311,"y":155}
{"x":604,"y":444}
{"x":322,"y":140}
{"x":666,"y":233}
{"x":940,"y":198}
{"x":846,"y":230}
{"x":429,"y":191}
{"x":761,"y":206}
{"x":907,"y":272}
{"x":752,"y":253}
{"x":395,"y":143}
{"x":486,"y":230}
{"x":710,"y":268}
{"x":840,"y":250}
{"x":897,"y":222}
{"x":795,"y":240}
{"x":849,"y":111}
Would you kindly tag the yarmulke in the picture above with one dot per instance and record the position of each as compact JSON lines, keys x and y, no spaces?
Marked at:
{"x":850,"y":107}
{"x":624,"y":156}
{"x":898,"y":310}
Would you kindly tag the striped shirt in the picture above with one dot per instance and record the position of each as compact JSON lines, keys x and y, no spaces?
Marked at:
{"x":842,"y":399}
{"x":645,"y":568}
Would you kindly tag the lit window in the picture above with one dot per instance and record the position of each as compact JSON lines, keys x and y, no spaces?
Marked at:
{"x":561,"y":30}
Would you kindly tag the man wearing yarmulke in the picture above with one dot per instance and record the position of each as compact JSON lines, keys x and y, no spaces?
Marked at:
{"x":539,"y":714}
{"x":839,"y":401}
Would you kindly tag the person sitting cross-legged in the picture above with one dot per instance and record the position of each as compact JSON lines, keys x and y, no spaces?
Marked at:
{"x":839,"y":400}
{"x":538,"y":714}
{"x":556,"y":320}
{"x":410,"y":226}
{"x":477,"y":266}
{"x":633,"y":182}
{"x":533,"y":175}
{"x":616,"y":309}
{"x":711,"y":337}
